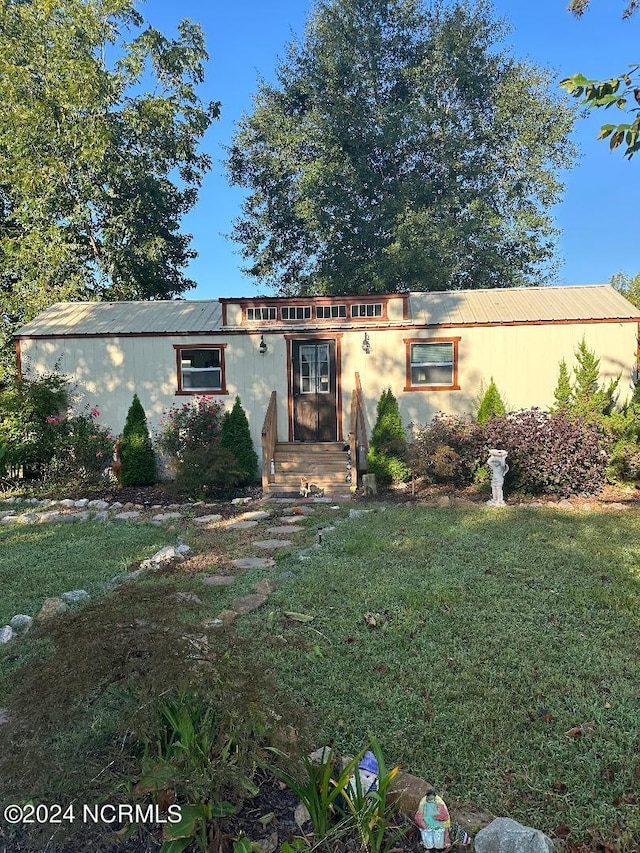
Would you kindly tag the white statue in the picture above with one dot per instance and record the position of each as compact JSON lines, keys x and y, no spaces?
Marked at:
{"x":497,"y":462}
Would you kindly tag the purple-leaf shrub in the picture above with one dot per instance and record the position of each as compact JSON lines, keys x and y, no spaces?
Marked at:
{"x":448,"y":450}
{"x":558,"y":453}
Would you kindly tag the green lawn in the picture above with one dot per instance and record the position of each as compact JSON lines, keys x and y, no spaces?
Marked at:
{"x":502,"y":631}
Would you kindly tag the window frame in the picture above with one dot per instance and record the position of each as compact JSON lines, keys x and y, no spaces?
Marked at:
{"x":200,"y":392}
{"x":409,"y":385}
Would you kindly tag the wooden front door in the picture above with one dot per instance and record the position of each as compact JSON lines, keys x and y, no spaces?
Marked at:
{"x":314,"y":390}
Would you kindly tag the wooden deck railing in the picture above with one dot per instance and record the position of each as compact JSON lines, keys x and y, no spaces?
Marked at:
{"x":269,"y":440}
{"x":358,"y":440}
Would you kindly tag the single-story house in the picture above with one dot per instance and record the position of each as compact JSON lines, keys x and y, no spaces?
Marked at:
{"x":310,"y":370}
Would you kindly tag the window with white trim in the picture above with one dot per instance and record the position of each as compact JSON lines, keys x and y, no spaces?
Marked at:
{"x":432,"y":363}
{"x":261,"y":313}
{"x":296,"y":312}
{"x":331,"y":312}
{"x":367,"y":309}
{"x":201,"y":369}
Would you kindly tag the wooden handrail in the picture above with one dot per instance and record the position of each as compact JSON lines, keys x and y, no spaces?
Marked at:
{"x":269,"y":440}
{"x":364,"y":441}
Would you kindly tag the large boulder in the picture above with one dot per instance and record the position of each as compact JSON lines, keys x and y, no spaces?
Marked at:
{"x":504,"y":835}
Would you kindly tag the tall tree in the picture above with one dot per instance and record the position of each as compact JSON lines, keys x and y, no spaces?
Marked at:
{"x":616,"y":91}
{"x":399,"y":149}
{"x":628,"y":286}
{"x":99,"y":154}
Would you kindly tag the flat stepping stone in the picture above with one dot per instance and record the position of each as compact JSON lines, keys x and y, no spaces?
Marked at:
{"x":223,"y":620}
{"x":207,"y":519}
{"x":284,"y":528}
{"x":253,"y":563}
{"x":268,"y":544}
{"x":242,"y":525}
{"x":127,"y":516}
{"x":4,"y":716}
{"x":290,"y":519}
{"x":167,"y":516}
{"x":219,"y":580}
{"x":187,"y":598}
{"x":248,"y":603}
{"x":255,"y":515}
{"x":265,"y":587}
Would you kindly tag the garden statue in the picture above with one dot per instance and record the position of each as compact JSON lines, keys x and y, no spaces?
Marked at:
{"x":497,"y":462}
{"x":433,"y":819}
{"x":116,"y":463}
{"x":368,"y":773}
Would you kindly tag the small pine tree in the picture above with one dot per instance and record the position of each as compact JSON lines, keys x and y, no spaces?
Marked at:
{"x":563,"y":395}
{"x":236,"y":437}
{"x":138,"y":459}
{"x":491,"y":405}
{"x":388,"y":445}
{"x":589,"y":400}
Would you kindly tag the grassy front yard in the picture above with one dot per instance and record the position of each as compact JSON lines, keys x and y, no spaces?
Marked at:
{"x":492,"y":652}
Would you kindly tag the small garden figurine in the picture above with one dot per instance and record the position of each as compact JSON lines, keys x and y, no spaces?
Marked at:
{"x":368,"y":773}
{"x":433,"y":819}
{"x":497,"y":462}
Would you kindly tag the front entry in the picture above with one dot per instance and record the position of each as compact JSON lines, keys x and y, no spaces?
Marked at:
{"x":314,"y":390}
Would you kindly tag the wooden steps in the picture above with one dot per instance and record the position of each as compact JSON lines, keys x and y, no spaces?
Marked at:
{"x":323,"y":464}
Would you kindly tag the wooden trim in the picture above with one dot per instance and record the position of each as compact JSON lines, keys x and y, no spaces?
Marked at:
{"x":202,"y":392}
{"x":224,"y":313}
{"x":408,"y":386}
{"x":405,"y":306}
{"x":322,"y":336}
{"x":18,"y":358}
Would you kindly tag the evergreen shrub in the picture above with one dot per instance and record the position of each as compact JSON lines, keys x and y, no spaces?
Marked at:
{"x":388,"y":445}
{"x":136,"y":449}
{"x":491,"y":405}
{"x":235,"y":436}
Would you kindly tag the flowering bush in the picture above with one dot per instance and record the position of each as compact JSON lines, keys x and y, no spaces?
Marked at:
{"x":190,"y":435}
{"x":82,"y":449}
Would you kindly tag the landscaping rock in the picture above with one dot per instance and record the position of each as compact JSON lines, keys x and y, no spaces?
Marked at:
{"x":253,"y":563}
{"x":406,"y":791}
{"x":207,"y":519}
{"x":7,"y":634}
{"x":183,"y":549}
{"x":103,"y":515}
{"x":358,"y":513}
{"x":98,"y":504}
{"x":187,"y":598}
{"x":164,"y":556}
{"x":21,"y":623}
{"x":504,"y":835}
{"x":46,"y":517}
{"x":240,"y":501}
{"x":10,"y":518}
{"x":265,"y":587}
{"x":67,"y":503}
{"x":167,"y":516}
{"x":127,"y":516}
{"x":226,"y":617}
{"x":241,"y":525}
{"x":284,"y":528}
{"x":51,"y":607}
{"x":247,"y":604}
{"x":82,"y":503}
{"x":268,"y":544}
{"x":219,"y":580}
{"x":28,"y":518}
{"x":4,"y":716}
{"x":255,"y":515}
{"x":75,"y":596}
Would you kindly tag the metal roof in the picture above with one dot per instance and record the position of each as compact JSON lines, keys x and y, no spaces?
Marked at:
{"x":521,"y":305}
{"x":452,"y":308}
{"x":126,"y":318}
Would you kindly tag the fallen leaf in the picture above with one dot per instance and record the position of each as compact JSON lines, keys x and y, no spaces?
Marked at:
{"x":545,"y":715}
{"x":608,"y":773}
{"x":562,"y":830}
{"x":298,"y":617}
{"x":381,"y":667}
{"x":352,"y":640}
{"x":583,"y":730}
{"x":559,"y":787}
{"x":266,"y":819}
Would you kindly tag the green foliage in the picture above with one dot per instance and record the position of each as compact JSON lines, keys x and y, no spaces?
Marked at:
{"x":563,"y":395}
{"x":491,"y":404}
{"x":388,"y":444}
{"x":448,"y":450}
{"x":43,"y":440}
{"x":100,"y":123}
{"x":628,"y":286}
{"x":236,"y":437}
{"x":136,"y":449}
{"x":589,"y":399}
{"x":365,"y":163}
{"x":606,"y":93}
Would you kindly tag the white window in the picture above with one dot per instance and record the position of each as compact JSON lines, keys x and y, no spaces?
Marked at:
{"x":368,"y":309}
{"x":432,"y":364}
{"x":331,"y":312}
{"x":296,"y":312}
{"x":201,"y":369}
{"x":261,"y":313}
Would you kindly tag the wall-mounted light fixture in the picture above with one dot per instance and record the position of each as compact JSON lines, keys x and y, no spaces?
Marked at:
{"x":263,"y":345}
{"x":366,"y":344}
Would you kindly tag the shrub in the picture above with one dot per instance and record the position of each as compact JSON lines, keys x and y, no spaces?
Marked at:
{"x":448,"y":450}
{"x":191,"y":435}
{"x":563,"y":395}
{"x":491,"y":405}
{"x":624,"y":429}
{"x":388,"y":445}
{"x":82,"y":452}
{"x":558,"y":453}
{"x":236,"y":437}
{"x":136,"y":449}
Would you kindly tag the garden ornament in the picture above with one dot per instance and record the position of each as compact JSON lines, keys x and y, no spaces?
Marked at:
{"x":497,"y":463}
{"x":433,"y":819}
{"x":368,"y":773}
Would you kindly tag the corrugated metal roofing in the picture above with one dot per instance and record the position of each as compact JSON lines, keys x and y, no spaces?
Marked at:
{"x":508,"y":305}
{"x":521,"y":304}
{"x":126,"y":318}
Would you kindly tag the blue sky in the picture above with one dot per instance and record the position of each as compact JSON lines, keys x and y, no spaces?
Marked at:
{"x":245,"y":39}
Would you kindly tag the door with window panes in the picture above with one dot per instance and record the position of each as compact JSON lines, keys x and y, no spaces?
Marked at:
{"x":314,"y":390}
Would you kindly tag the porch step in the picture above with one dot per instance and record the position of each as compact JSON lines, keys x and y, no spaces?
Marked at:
{"x":323,"y":464}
